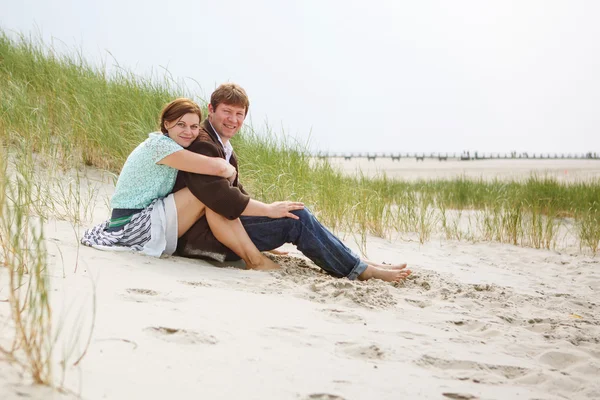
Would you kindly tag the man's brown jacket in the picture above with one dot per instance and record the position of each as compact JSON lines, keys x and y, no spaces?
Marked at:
{"x":217,"y":193}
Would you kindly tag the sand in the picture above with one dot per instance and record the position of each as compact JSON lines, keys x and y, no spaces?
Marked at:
{"x":475,"y":321}
{"x":410,"y":169}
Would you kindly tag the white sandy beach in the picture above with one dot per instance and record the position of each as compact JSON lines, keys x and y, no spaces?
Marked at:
{"x":475,"y":321}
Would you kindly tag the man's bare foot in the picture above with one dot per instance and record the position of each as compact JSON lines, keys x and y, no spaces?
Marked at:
{"x":384,"y":266}
{"x":279,"y":252}
{"x":387,"y":275}
{"x":264,"y":264}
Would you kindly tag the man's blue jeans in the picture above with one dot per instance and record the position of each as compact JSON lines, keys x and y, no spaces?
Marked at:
{"x":309,"y":236}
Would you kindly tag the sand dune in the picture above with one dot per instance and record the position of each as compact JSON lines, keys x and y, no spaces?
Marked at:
{"x":475,"y":321}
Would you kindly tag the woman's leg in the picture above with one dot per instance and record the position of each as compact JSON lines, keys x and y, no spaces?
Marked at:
{"x":189,"y":210}
{"x":233,"y":235}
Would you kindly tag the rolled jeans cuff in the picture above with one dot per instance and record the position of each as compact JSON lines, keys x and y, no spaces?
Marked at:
{"x":358,"y":269}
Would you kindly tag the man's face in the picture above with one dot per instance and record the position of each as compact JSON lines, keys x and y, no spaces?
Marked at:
{"x":226,"y":119}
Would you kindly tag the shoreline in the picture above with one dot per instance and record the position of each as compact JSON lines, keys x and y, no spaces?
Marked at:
{"x":510,"y":169}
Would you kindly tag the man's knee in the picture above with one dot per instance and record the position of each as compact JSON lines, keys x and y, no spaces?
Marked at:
{"x":303,"y":214}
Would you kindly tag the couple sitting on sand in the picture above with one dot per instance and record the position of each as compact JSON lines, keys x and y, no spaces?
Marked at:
{"x":179,"y":191}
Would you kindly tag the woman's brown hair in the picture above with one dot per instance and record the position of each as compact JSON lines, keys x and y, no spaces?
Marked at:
{"x":177,"y":109}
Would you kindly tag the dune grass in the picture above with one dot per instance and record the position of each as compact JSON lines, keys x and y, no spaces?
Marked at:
{"x":23,"y":252}
{"x":32,"y":190}
{"x":75,"y":113}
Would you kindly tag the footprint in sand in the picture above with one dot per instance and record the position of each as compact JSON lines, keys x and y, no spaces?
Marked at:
{"x":297,"y":335}
{"x":510,"y":319}
{"x":460,"y":396}
{"x":324,"y":396}
{"x":288,"y":329}
{"x":418,"y":303}
{"x":408,"y":335}
{"x":360,"y":351}
{"x":371,"y":294}
{"x":506,"y":371}
{"x":145,"y":292}
{"x":471,"y":325}
{"x":344,"y":316}
{"x":559,"y":360}
{"x":139,"y":295}
{"x":181,"y":336}
{"x":483,"y":287}
{"x":540,"y":325}
{"x":196,"y":283}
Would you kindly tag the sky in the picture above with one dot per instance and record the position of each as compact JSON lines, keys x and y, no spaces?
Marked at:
{"x":361,"y":76}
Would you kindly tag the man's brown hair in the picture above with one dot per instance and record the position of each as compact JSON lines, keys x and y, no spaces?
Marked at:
{"x":177,"y":109}
{"x":230,"y":94}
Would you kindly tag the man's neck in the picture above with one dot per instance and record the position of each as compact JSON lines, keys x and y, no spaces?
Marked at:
{"x":223,"y":140}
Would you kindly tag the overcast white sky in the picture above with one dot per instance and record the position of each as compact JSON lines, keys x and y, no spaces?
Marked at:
{"x":378,"y":75}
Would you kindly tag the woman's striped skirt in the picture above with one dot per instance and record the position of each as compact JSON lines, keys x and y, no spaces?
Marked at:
{"x":152,"y":231}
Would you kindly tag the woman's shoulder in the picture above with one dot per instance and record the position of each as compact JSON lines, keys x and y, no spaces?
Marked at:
{"x":158,"y":146}
{"x":157,"y":137}
{"x":161,"y":138}
{"x":160,"y":141}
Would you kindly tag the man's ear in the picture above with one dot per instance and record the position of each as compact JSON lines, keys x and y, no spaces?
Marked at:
{"x":210,"y":109}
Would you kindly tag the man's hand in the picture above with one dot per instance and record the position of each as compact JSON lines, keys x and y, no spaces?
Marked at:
{"x":282,"y":209}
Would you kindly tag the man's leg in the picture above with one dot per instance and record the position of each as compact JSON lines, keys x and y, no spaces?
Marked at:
{"x":384,"y":265}
{"x":316,"y":243}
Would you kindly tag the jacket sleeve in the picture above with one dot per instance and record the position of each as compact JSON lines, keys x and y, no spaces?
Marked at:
{"x":242,"y":189}
{"x":215,"y":192}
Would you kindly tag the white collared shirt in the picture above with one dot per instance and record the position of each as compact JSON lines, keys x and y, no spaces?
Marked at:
{"x":227,"y":147}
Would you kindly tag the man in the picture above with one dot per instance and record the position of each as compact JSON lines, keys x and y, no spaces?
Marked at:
{"x":268,"y":225}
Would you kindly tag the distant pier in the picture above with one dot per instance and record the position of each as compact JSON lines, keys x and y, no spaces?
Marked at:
{"x":465,"y":156}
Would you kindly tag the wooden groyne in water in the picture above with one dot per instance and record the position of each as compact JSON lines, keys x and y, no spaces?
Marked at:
{"x":465,"y":156}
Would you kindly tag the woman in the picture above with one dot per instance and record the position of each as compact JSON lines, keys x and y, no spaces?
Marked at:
{"x":145,"y":217}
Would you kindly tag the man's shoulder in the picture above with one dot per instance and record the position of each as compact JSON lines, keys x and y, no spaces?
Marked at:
{"x":205,"y":144}
{"x":204,"y":136}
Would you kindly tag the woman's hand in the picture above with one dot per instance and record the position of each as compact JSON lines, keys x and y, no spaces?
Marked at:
{"x":283,"y":209}
{"x":228,"y":169}
{"x":231,"y":179}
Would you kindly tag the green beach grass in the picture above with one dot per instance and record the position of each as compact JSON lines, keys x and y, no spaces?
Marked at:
{"x":64,"y":108}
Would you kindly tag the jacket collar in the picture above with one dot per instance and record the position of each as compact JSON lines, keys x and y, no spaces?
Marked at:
{"x":213,"y":135}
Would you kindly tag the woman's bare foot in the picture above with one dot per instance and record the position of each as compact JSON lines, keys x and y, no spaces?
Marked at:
{"x":387,"y":275}
{"x":263,"y":264}
{"x":384,"y":266}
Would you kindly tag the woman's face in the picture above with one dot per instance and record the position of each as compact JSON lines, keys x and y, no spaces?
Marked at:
{"x":184,"y":130}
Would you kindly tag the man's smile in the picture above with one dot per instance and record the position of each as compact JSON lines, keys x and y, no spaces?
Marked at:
{"x":226,"y":119}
